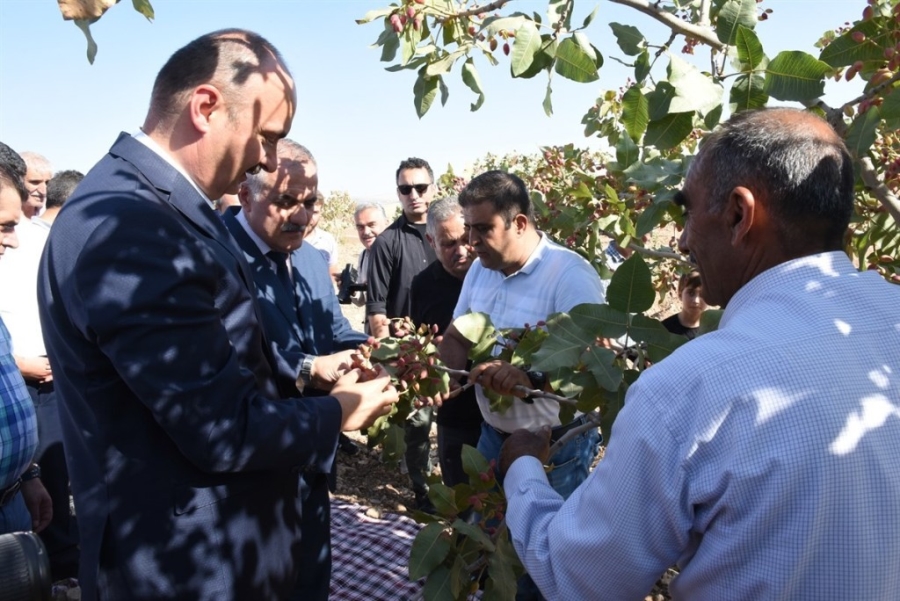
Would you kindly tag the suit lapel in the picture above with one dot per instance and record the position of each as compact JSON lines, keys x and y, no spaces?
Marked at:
{"x":304,"y":301}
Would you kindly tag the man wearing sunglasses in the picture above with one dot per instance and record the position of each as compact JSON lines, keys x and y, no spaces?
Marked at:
{"x":399,"y":254}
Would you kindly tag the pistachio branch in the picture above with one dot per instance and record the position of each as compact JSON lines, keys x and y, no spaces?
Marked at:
{"x":700,"y":33}
{"x":460,"y":373}
{"x":887,"y":198}
{"x":478,"y":10}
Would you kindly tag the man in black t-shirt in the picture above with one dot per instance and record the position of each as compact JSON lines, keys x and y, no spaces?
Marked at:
{"x":433,"y":295}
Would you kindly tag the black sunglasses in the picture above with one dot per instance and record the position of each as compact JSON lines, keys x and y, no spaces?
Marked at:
{"x":420,"y":188}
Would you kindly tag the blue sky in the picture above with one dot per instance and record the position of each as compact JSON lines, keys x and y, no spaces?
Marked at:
{"x":356,"y":118}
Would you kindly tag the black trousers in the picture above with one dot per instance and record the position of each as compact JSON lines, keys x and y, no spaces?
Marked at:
{"x":61,"y":536}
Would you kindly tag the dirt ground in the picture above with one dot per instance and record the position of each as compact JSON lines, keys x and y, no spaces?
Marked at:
{"x":384,"y":487}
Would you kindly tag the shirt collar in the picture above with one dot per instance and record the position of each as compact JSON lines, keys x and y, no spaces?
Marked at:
{"x":262,"y":246}
{"x":150,"y":143}
{"x":535,"y":257}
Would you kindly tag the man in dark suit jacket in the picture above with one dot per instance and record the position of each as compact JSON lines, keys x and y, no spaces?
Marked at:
{"x":302,"y":320}
{"x":184,"y":458}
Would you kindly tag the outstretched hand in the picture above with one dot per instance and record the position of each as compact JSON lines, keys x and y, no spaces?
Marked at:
{"x":362,"y":402}
{"x":501,"y":377}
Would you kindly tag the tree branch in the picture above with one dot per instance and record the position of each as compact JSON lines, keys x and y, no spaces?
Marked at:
{"x":704,"y":13}
{"x":524,"y":389}
{"x":477,"y":10}
{"x":887,"y":198}
{"x":702,"y":34}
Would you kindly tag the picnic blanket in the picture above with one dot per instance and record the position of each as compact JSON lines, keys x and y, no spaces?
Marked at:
{"x":370,"y":555}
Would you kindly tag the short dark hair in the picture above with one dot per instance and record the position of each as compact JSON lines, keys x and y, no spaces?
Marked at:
{"x":61,"y":186}
{"x":505,"y":192}
{"x":414,"y":163}
{"x":10,"y":157}
{"x":689,"y":281}
{"x":227,"y":57}
{"x":9,"y":176}
{"x":804,"y":175}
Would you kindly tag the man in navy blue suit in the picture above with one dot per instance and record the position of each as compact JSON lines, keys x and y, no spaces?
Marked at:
{"x":184,"y":458}
{"x":301,"y":317}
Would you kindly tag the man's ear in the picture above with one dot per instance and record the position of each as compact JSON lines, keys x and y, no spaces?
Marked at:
{"x":430,"y":241}
{"x":521,"y":223}
{"x":744,"y":214}
{"x":244,"y":197}
{"x":206,"y":101}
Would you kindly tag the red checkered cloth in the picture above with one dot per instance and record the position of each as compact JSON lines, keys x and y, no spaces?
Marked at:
{"x":370,"y":555}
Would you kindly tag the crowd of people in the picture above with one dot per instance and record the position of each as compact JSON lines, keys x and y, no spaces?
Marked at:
{"x":174,"y":353}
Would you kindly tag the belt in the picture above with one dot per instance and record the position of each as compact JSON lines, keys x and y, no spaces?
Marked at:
{"x":557,"y":432}
{"x":7,"y":494}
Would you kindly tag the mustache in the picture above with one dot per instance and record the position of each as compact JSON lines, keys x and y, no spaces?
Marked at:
{"x":292,"y":227}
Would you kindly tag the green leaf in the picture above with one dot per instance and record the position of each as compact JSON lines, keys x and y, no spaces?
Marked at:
{"x":542,"y":59}
{"x":475,"y":533}
{"x":558,"y":8}
{"x":627,"y":152}
{"x":694,"y":91}
{"x":589,"y":49}
{"x":474,"y":463}
{"x":795,"y":75}
{"x":890,"y":109}
{"x":599,"y":320}
{"x":528,"y":43}
{"x":660,"y":99}
{"x":629,"y":38}
{"x":612,"y":404}
{"x":749,"y":49}
{"x":438,"y":585}
{"x":85,"y":26}
{"x":143,"y":7}
{"x":504,"y":569}
{"x":473,"y":81}
{"x":448,"y":35}
{"x":659,"y":349}
{"x":443,"y":64}
{"x":390,"y":46}
{"x":642,"y":67}
{"x":748,"y":92}
{"x":372,"y":14}
{"x":393,"y":444}
{"x":669,"y":131}
{"x":443,"y":498}
{"x":565,"y":342}
{"x":601,"y":363}
{"x":548,"y":102}
{"x":843,"y":51}
{"x":572,"y":62}
{"x":863,"y":131}
{"x":428,"y":551}
{"x":709,"y":321}
{"x":445,"y":91}
{"x":651,"y":217}
{"x":635,"y":112}
{"x":475,"y":327}
{"x":646,"y":329}
{"x":631,"y":288}
{"x":732,"y":15}
{"x":494,"y":25}
{"x":590,"y":18}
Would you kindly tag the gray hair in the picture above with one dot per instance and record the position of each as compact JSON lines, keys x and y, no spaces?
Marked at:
{"x":787,"y":157}
{"x":440,"y":211}
{"x":370,"y":204}
{"x":287,"y":149}
{"x":36,"y":161}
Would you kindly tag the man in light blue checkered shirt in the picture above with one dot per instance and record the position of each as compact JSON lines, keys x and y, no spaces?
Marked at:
{"x":764,"y":458}
{"x":19,"y":496}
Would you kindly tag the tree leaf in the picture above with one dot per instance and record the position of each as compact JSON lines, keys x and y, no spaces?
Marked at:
{"x":572,"y":62}
{"x":393,"y":445}
{"x":732,"y":15}
{"x":528,"y":43}
{"x":558,"y":8}
{"x":474,"y":327}
{"x":749,"y":49}
{"x":635,"y":112}
{"x":475,"y":533}
{"x":390,"y":46}
{"x":494,"y":25}
{"x":627,"y":152}
{"x":651,"y":217}
{"x":374,"y":14}
{"x":541,"y":60}
{"x":748,"y":92}
{"x":669,"y":131}
{"x":646,"y":329}
{"x":629,"y":38}
{"x":863,"y":131}
{"x":631,"y":288}
{"x":795,"y":75}
{"x":428,"y":551}
{"x":445,"y":91}
{"x":474,"y":463}
{"x":660,"y":99}
{"x":662,"y":347}
{"x":438,"y":585}
{"x":709,"y":321}
{"x":890,"y":109}
{"x":590,"y":18}
{"x":84,"y":10}
{"x":843,"y":51}
{"x":642,"y":66}
{"x":473,"y":81}
{"x":601,"y":363}
{"x":144,"y":7}
{"x":694,"y":91}
{"x":444,"y":498}
{"x":548,"y":102}
{"x":443,"y":64}
{"x":85,"y":26}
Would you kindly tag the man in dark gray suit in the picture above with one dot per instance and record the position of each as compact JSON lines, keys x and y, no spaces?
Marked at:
{"x":184,"y":458}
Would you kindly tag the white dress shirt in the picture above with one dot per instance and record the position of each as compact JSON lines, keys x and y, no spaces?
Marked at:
{"x":18,"y":281}
{"x":763,"y":458}
{"x":554,"y":279}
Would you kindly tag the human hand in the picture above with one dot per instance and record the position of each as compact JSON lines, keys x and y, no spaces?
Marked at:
{"x":501,"y":377}
{"x":35,"y":369}
{"x":38,"y":502}
{"x":523,"y":443}
{"x":327,"y":369}
{"x":364,"y":402}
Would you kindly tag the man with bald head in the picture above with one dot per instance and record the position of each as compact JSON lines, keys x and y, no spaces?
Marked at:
{"x":762,"y":457}
{"x":184,"y":455}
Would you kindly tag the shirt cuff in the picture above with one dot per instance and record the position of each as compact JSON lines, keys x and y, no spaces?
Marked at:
{"x":524,"y":469}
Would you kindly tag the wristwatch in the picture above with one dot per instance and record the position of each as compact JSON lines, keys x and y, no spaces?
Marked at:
{"x":34,"y":471}
{"x":538,"y":381}
{"x":305,"y":376}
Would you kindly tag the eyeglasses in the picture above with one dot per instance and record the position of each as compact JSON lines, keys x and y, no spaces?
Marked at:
{"x":420,"y":188}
